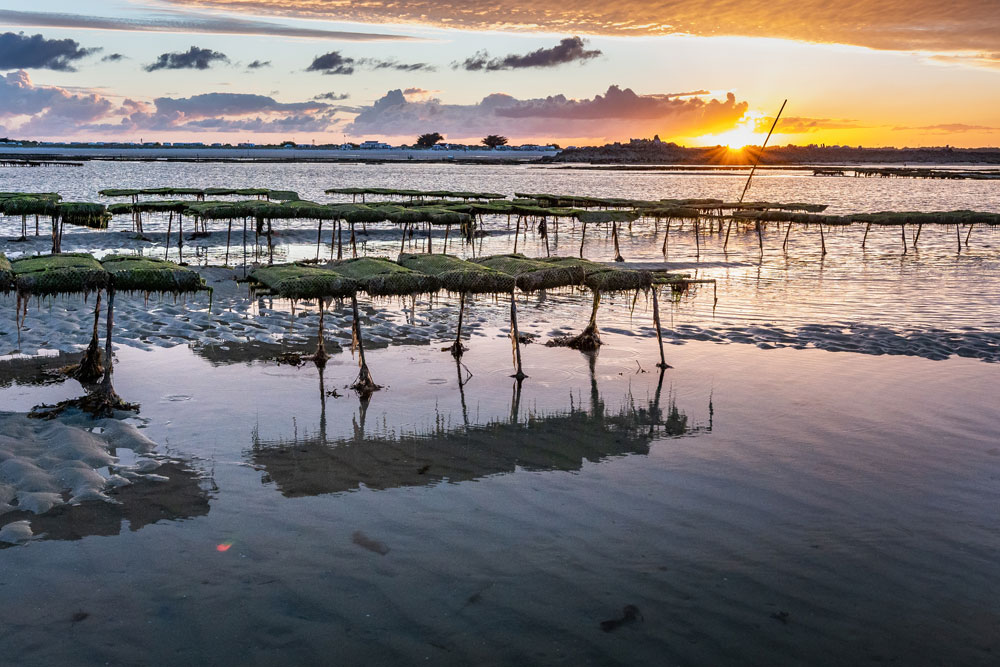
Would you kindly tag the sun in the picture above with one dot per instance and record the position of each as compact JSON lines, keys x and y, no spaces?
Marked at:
{"x":744,"y":134}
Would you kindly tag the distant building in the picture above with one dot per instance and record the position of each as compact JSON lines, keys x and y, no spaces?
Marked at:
{"x":372,"y":145}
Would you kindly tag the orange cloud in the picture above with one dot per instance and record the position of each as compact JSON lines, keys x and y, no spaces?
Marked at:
{"x":798,"y":125}
{"x":909,"y":25}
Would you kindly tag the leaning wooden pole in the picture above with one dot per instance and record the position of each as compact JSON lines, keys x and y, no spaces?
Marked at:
{"x":753,"y":169}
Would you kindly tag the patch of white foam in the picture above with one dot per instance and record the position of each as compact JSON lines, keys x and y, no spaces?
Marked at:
{"x":16,"y":532}
{"x":44,"y":464}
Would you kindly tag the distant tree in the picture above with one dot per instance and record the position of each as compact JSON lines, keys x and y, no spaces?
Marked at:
{"x":429,"y":139}
{"x":556,"y":146}
{"x":289,"y":144}
{"x":494,"y":140}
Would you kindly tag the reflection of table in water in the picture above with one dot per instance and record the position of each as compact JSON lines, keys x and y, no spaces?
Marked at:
{"x":317,"y":464}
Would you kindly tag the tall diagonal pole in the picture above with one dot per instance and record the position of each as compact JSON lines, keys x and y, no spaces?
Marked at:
{"x":753,"y":169}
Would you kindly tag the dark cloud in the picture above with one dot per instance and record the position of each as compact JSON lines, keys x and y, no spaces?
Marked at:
{"x":906,"y":25}
{"x":20,"y":51}
{"x":332,"y":63}
{"x":112,"y":58}
{"x":568,"y":50}
{"x":376,"y":64}
{"x":193,"y":58}
{"x":332,"y":97}
{"x":183,"y":21}
{"x":259,"y":64}
{"x":335,"y":62}
{"x":615,"y":114}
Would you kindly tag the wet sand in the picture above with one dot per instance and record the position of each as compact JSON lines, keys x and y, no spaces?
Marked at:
{"x":817,"y":507}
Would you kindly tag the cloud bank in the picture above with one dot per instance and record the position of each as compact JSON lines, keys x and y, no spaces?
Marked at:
{"x":906,"y":25}
{"x":615,"y":114}
{"x":28,"y":110}
{"x":184,"y":21}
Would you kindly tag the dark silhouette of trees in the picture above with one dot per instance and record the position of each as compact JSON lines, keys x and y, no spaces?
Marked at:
{"x":494,"y":140}
{"x":429,"y":139}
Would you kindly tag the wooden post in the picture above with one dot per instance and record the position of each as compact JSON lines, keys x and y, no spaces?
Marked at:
{"x":822,"y":238}
{"x":902,"y":229}
{"x":244,"y":246}
{"x":666,"y":235}
{"x":320,"y":357}
{"x":614,"y":235}
{"x":865,"y":239}
{"x":583,"y":235}
{"x":229,"y":234}
{"x":917,"y":237}
{"x":364,"y":385}
{"x":659,"y":333}
{"x":457,"y":349}
{"x":787,"y":232}
{"x":515,"y":339}
{"x":170,"y":223}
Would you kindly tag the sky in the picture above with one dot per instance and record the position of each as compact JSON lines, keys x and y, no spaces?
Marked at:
{"x":697,"y":72}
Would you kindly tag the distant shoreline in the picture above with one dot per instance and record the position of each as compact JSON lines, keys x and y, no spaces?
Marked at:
{"x":646,"y":157}
{"x":644,"y":152}
{"x":265,"y":155}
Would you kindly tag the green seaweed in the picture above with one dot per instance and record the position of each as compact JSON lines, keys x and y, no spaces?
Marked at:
{"x":295,"y":281}
{"x":65,"y":273}
{"x":146,"y":274}
{"x":458,"y":275}
{"x":383,"y":277}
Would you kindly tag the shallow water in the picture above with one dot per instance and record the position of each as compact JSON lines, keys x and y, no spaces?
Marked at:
{"x":757,"y":506}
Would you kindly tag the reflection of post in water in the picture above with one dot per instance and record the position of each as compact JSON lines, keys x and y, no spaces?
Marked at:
{"x":461,"y":390}
{"x":515,"y":400}
{"x":359,"y":423}
{"x":382,"y":458}
{"x":322,"y":406}
{"x":596,"y":404}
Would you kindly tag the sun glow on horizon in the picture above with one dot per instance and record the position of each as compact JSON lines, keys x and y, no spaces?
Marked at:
{"x":744,"y":134}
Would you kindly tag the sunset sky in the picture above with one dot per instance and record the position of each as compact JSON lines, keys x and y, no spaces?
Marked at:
{"x":897,"y":72}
